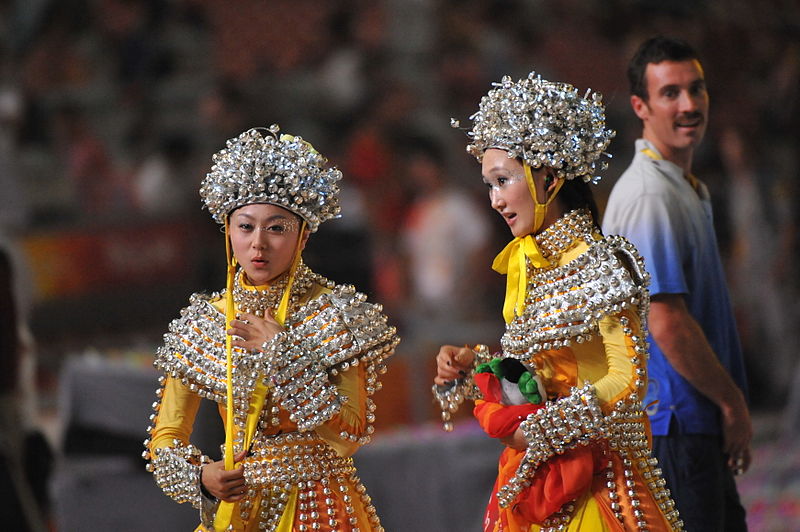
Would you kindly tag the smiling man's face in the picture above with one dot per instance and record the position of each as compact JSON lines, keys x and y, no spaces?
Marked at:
{"x":675,"y":113}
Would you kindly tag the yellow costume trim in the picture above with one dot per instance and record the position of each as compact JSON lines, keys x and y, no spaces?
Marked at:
{"x":652,"y":154}
{"x":588,"y":516}
{"x":225,"y":511}
{"x":286,"y":523}
{"x":283,"y":307}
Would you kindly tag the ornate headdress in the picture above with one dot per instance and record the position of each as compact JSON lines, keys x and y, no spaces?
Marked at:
{"x":259,"y":166}
{"x":545,"y":123}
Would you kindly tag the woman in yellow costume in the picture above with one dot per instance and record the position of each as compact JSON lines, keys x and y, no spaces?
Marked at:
{"x":290,"y":358}
{"x":564,"y":395}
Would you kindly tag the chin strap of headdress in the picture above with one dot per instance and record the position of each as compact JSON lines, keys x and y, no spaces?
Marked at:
{"x":511,"y":261}
{"x":225,"y":510}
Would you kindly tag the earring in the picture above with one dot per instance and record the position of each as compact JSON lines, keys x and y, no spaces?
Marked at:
{"x":548,"y":180}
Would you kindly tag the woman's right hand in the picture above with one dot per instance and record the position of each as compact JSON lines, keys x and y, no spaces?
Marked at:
{"x":252,"y":332}
{"x":452,"y":363}
{"x":225,"y":485}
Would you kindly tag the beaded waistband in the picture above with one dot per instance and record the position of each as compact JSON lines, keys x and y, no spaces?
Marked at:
{"x":292,"y":458}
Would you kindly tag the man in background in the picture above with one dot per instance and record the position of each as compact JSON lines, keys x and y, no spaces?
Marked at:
{"x":697,"y":385}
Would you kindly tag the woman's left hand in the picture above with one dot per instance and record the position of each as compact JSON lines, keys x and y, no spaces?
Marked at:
{"x":250,"y":332}
{"x":515,"y":441}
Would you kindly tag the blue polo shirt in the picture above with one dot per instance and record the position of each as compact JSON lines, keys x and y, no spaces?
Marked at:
{"x":656,"y":208}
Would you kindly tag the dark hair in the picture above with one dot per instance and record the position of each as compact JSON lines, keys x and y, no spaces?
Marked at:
{"x":577,"y":194}
{"x":655,"y":50}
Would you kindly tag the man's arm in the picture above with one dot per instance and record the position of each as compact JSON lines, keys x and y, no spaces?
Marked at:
{"x":685,"y":346}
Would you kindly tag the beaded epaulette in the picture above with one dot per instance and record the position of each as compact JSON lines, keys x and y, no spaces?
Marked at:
{"x":328,"y":335}
{"x":565,"y":304}
{"x":194,"y":349}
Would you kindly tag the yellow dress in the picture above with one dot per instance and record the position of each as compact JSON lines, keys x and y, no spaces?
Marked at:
{"x":582,"y":333}
{"x":298,"y":470}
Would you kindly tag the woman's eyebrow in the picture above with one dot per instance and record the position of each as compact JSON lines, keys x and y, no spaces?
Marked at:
{"x":268,"y":219}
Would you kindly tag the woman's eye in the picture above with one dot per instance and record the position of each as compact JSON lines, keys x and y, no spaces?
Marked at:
{"x":499,"y":182}
{"x":246,"y":227}
{"x":277,"y":228}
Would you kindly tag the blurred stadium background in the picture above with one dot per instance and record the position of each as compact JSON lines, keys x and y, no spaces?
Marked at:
{"x":110,"y":111}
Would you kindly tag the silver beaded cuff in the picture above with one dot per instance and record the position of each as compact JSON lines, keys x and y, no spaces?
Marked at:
{"x":327,"y":336}
{"x":562,"y":424}
{"x":451,"y":397}
{"x":208,"y":511}
{"x":177,"y":471}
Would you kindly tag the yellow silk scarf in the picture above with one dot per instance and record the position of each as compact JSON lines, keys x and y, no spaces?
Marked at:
{"x":511,"y":261}
{"x":225,"y":511}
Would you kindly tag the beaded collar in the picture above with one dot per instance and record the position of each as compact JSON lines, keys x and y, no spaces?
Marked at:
{"x":254,"y":300}
{"x":564,"y":232}
{"x":566,"y":302}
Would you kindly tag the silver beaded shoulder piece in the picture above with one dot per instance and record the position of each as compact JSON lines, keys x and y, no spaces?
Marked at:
{"x":327,"y":336}
{"x":566,"y":303}
{"x":194,"y":349}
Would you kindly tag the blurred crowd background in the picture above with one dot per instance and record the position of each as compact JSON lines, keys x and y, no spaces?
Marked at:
{"x":110,"y":111}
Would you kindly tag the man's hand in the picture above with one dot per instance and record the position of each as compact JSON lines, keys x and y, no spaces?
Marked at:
{"x":686,"y":347}
{"x":737,"y":431}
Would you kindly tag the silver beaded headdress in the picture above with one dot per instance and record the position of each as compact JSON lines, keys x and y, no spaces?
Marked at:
{"x":259,"y":166}
{"x":545,"y":123}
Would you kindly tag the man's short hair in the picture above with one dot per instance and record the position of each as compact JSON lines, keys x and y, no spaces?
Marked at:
{"x":655,"y":50}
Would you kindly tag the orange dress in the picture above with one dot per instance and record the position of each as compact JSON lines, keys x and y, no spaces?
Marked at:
{"x":298,"y":470}
{"x":582,"y":333}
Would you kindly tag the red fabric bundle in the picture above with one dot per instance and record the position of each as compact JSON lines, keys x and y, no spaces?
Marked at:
{"x":561,"y":479}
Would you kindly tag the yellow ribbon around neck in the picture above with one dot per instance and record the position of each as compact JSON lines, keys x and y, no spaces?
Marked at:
{"x":511,"y":261}
{"x":225,"y":511}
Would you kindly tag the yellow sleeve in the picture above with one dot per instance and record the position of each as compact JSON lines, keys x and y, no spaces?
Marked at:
{"x":176,"y":417}
{"x":352,"y":418}
{"x":613,"y":376}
